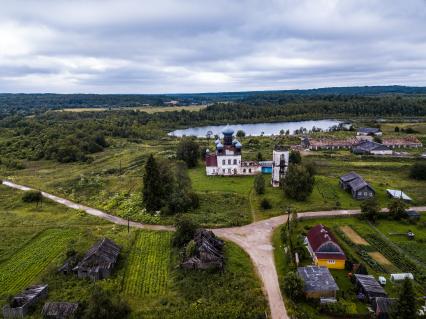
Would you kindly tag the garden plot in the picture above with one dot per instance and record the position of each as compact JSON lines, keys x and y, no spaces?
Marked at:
{"x":26,"y":265}
{"x":383,"y":261}
{"x":147,"y":272}
{"x":353,"y":236}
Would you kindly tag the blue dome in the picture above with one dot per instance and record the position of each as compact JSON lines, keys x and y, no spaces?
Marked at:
{"x":235,"y":142}
{"x":238,"y":145}
{"x":227,"y":130}
{"x":217,"y":141}
{"x":219,"y":145}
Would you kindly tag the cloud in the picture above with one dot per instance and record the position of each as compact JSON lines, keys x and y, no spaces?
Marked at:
{"x":165,"y":46}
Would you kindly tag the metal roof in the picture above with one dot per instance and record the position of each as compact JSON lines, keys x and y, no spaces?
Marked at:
{"x":398,"y":194}
{"x":317,"y":279}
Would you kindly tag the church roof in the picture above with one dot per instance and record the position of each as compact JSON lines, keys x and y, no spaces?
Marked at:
{"x":227,"y":130}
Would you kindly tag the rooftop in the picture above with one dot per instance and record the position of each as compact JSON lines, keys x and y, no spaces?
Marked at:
{"x":369,"y":284}
{"x":398,"y":194}
{"x":317,"y":279}
{"x":368,"y":130}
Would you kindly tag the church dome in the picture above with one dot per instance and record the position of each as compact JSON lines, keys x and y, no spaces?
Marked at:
{"x":235,"y":142}
{"x":238,"y":145}
{"x":217,"y":141}
{"x":227,"y":130}
{"x":219,"y":145}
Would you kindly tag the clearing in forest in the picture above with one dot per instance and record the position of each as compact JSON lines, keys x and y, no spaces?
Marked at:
{"x":353,"y":236}
{"x":26,"y":265}
{"x":147,"y":272}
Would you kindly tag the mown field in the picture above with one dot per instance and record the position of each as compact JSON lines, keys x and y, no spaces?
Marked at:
{"x":382,"y":248}
{"x":35,"y":241}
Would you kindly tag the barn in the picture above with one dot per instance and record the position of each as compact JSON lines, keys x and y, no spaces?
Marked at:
{"x":99,"y":261}
{"x":20,"y":305}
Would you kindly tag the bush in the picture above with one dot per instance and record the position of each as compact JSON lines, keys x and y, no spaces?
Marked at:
{"x":265,"y":204}
{"x":397,"y":209}
{"x":31,"y":197}
{"x":340,"y":308}
{"x":295,"y":157}
{"x":185,"y":231}
{"x":259,"y":184}
{"x":293,"y":286}
{"x":418,"y":171}
{"x":103,"y":306}
{"x":370,"y":209}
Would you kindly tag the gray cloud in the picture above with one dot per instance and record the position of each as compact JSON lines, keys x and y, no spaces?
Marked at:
{"x":163,"y":46}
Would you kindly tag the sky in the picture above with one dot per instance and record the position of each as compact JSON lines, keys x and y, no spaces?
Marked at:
{"x":189,"y":46}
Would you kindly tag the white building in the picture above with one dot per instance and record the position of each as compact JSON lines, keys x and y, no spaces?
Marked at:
{"x":226,"y":160}
{"x":279,"y":166}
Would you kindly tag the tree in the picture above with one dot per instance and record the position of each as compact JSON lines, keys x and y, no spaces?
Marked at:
{"x":406,"y":305}
{"x":397,"y":209}
{"x":295,"y":157}
{"x":185,"y":231}
{"x":188,"y":151}
{"x":259,"y":156}
{"x":103,"y":306}
{"x":259,"y":184}
{"x":298,"y":183}
{"x":265,"y":204}
{"x":293,"y":286}
{"x":152,"y":186}
{"x":32,"y":197}
{"x":418,"y":171}
{"x":241,"y":134}
{"x":370,"y":209}
{"x":396,"y":129}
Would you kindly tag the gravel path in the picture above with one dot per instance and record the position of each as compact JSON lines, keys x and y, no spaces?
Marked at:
{"x":255,"y":239}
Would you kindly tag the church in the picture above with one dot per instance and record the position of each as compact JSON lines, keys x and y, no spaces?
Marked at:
{"x":227,"y":160}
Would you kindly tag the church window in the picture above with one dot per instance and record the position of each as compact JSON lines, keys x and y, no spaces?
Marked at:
{"x":244,"y":170}
{"x":229,"y":162}
{"x":249,"y":170}
{"x":229,"y":170}
{"x":235,"y":162}
{"x":223,"y":162}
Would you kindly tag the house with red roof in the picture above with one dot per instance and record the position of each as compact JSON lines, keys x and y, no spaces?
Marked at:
{"x":324,"y":249}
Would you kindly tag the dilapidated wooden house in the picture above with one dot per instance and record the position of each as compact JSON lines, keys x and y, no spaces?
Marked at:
{"x":99,"y":261}
{"x":357,"y":186}
{"x":59,"y":310}
{"x":21,"y":304}
{"x":208,"y":253}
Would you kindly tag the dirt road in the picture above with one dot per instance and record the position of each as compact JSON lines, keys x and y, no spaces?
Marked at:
{"x":255,"y":239}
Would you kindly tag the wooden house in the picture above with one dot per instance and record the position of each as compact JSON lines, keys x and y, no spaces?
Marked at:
{"x":318,"y":282}
{"x":99,"y":261}
{"x":357,"y":186}
{"x":368,"y":288}
{"x":324,"y":249}
{"x":59,"y":310}
{"x":21,"y":304}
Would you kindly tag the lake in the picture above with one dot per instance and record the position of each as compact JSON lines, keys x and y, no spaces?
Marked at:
{"x":256,"y":129}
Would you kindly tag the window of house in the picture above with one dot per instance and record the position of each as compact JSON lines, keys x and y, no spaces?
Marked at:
{"x":331,"y":261}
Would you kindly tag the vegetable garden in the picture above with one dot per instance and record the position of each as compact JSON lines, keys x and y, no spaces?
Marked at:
{"x":147,"y":272}
{"x":22,"y":268}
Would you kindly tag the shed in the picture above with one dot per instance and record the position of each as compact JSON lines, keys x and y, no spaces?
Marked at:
{"x":99,"y":261}
{"x":21,"y":304}
{"x":59,"y":310}
{"x":398,"y":194}
{"x":318,"y":282}
{"x":401,"y":276}
{"x":368,"y":287}
{"x":372,"y":148}
{"x":383,"y":307}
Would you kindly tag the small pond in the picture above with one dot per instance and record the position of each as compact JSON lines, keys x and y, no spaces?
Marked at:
{"x":257,"y":129}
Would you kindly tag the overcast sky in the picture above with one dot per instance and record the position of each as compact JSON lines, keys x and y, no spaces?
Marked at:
{"x":161,"y":46}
